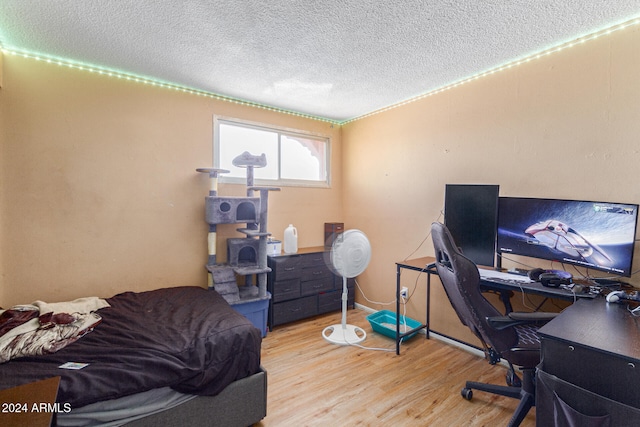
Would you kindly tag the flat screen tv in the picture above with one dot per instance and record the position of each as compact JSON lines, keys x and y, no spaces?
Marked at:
{"x":471,"y":215}
{"x":596,"y":235}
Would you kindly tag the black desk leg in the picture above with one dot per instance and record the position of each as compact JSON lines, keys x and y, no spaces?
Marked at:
{"x":397,"y":310}
{"x":426,"y":332}
{"x":505,"y":297}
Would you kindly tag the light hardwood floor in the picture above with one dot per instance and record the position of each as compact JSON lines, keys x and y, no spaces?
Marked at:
{"x":312,"y":382}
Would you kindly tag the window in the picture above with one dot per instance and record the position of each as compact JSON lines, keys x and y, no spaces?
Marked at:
{"x":293,"y":157}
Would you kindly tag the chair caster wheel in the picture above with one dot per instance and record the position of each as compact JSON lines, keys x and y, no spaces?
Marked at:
{"x":513,"y":380}
{"x":467,"y":393}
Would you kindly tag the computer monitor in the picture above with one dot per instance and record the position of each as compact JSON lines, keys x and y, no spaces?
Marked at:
{"x":471,"y":215}
{"x":596,"y":235}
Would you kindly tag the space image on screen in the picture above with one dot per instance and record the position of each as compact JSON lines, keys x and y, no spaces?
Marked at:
{"x":595,"y":235}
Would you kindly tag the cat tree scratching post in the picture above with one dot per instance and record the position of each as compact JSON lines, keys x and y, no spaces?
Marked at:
{"x":213,"y":191}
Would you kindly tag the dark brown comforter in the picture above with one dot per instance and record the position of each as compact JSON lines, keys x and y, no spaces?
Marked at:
{"x":187,"y":338}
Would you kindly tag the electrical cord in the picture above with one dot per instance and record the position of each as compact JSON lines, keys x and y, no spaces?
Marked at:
{"x":426,"y":237}
{"x":635,"y":311}
{"x":371,"y":301}
{"x":371,"y":348}
{"x":404,"y":300}
{"x":403,"y":321}
{"x":378,"y":348}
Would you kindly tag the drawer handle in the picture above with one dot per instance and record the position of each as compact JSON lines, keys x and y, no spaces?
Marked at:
{"x":317,"y":273}
{"x":289,"y":268}
{"x":571,"y":348}
{"x":631,"y":365}
{"x":295,"y":310}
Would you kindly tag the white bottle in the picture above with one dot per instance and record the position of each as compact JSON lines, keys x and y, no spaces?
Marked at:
{"x":290,"y":240}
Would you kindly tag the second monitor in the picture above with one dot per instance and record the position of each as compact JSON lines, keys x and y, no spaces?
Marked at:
{"x":471,"y":215}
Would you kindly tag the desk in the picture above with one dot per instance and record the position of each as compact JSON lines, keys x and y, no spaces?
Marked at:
{"x":504,"y":286}
{"x":591,"y":359}
{"x":426,"y":265}
{"x":420,"y":265}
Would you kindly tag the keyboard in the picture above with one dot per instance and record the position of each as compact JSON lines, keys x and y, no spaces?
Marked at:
{"x":501,"y":277}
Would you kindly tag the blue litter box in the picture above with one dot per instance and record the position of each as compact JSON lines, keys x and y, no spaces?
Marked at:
{"x":384,"y":322}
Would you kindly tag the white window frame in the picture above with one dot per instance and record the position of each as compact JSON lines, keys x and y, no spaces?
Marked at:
{"x":217,"y":120}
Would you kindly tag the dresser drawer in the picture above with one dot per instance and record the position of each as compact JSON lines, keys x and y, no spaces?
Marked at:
{"x":329,"y":301}
{"x":293,"y":310}
{"x":285,"y":290}
{"x":316,"y":272}
{"x":332,"y":301}
{"x":285,"y":268}
{"x":313,"y":287}
{"x":314,"y":259}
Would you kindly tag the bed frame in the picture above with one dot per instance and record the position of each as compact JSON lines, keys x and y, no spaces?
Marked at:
{"x":220,"y":402}
{"x":243,"y":403}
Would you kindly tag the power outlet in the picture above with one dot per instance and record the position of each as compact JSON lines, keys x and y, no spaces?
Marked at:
{"x":404,"y":292}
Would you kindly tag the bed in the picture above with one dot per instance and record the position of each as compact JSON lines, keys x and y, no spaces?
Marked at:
{"x":173,"y":356}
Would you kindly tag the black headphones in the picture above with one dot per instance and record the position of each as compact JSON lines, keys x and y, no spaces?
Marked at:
{"x":550,"y":278}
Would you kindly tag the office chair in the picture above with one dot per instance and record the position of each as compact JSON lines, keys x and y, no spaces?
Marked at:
{"x":511,"y":337}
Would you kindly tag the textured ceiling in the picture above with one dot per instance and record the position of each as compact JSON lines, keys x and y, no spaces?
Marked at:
{"x":335,"y":59}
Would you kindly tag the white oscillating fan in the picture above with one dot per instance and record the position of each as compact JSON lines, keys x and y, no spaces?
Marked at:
{"x":350,"y":255}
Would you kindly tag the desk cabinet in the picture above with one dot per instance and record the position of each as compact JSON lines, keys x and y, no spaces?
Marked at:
{"x":590,"y":366}
{"x":302,"y":285}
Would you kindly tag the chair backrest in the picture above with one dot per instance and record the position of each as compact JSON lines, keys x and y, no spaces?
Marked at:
{"x":461,"y":280}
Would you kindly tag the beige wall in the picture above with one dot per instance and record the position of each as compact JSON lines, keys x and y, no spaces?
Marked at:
{"x":100,"y":194}
{"x":564,"y":126}
{"x":99,"y":189}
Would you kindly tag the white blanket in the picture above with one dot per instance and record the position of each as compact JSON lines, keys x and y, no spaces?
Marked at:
{"x":33,"y":337}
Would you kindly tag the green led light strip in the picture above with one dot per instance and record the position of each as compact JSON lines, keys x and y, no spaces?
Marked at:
{"x":151,"y":81}
{"x":158,"y":83}
{"x":509,"y":65}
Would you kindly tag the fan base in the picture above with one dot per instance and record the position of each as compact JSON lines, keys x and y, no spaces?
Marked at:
{"x":344,"y":334}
